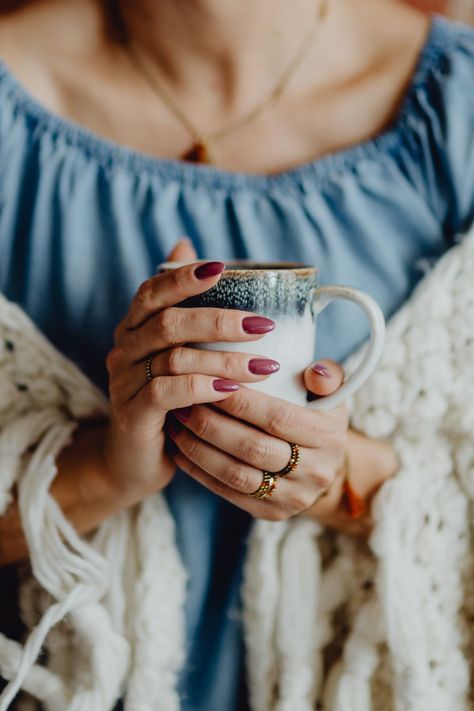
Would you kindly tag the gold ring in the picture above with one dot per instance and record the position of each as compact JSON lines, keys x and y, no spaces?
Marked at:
{"x":292,"y":462}
{"x":266,"y":488}
{"x":148,"y":373}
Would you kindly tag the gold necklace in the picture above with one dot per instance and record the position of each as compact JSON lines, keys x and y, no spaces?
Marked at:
{"x":201,"y":148}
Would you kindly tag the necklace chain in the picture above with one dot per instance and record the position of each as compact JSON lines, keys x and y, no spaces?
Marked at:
{"x":200,"y":150}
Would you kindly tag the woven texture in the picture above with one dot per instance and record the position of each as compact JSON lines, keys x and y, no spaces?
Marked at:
{"x":330,"y":623}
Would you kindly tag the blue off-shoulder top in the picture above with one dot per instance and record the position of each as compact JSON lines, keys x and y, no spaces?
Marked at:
{"x":84,"y":221}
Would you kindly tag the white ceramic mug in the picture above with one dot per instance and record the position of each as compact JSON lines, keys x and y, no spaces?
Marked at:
{"x":288,"y":294}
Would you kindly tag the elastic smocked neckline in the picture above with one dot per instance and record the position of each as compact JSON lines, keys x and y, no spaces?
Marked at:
{"x":109,"y":154}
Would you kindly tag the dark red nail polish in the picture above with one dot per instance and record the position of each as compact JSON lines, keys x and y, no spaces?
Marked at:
{"x":263,"y":366}
{"x":208,"y":270}
{"x":173,"y":427}
{"x":322,"y":370}
{"x":258,"y":324}
{"x":182,"y":413}
{"x":225,"y":386}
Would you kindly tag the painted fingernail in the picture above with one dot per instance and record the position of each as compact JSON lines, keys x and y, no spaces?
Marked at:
{"x":173,"y":427}
{"x":322,"y":370}
{"x":225,"y":386}
{"x":208,"y":270}
{"x":182,"y":413}
{"x":263,"y":366}
{"x":258,"y":324}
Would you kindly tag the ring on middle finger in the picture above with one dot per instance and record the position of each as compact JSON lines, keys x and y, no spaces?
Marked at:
{"x":292,"y":462}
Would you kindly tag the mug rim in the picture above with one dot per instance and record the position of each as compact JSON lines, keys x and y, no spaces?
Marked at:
{"x":282,"y":267}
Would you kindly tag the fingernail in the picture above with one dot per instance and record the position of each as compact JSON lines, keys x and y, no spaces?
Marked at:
{"x":173,"y":427}
{"x":208,"y":270}
{"x":182,"y":413}
{"x":322,"y":370}
{"x":225,"y":386}
{"x":263,"y":366}
{"x":258,"y":324}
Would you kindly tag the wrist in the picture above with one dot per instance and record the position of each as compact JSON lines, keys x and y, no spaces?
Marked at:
{"x":84,"y":487}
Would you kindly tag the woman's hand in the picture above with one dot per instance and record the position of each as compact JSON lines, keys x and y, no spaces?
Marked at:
{"x":135,"y":454}
{"x":226,"y":447}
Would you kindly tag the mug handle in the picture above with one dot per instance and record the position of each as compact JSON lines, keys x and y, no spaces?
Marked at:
{"x":322,"y":297}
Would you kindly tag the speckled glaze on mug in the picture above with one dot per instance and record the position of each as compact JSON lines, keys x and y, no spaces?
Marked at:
{"x":288,"y":294}
{"x":275,"y":290}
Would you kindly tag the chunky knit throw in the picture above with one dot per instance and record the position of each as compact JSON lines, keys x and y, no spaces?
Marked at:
{"x":330,"y":623}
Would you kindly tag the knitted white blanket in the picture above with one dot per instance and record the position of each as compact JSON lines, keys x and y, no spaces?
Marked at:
{"x":330,"y":623}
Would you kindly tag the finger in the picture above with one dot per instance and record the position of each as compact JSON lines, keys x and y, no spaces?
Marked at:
{"x":170,"y":392}
{"x":308,"y":428}
{"x":266,"y":508}
{"x":238,"y":439}
{"x":285,"y":501}
{"x":324,"y":377}
{"x":175,"y":326}
{"x":240,"y":367}
{"x":183,"y":251}
{"x":167,"y":289}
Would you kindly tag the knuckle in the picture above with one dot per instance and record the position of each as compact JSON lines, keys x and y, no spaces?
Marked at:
{"x":202,"y":425}
{"x":193,"y":385}
{"x":191,"y":447}
{"x":281,"y":420}
{"x":254,"y":449}
{"x":144,"y":293}
{"x":238,"y":406}
{"x":238,"y":478}
{"x":174,"y":361}
{"x":219,"y":322}
{"x":167,"y":324}
{"x":178,"y":279}
{"x":229,"y":363}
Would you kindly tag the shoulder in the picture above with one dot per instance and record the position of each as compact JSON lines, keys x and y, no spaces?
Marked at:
{"x":440,"y":116}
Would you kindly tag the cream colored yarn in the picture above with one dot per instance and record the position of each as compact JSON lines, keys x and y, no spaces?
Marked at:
{"x":330,"y":623}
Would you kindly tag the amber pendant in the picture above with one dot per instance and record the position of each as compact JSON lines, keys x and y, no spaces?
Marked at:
{"x":198,"y":153}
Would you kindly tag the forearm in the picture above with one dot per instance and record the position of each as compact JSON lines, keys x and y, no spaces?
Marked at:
{"x":82,"y":489}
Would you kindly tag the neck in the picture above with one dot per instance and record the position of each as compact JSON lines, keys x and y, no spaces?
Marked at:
{"x":221,"y":42}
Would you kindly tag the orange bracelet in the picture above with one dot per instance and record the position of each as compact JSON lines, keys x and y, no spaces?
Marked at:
{"x":353,"y":504}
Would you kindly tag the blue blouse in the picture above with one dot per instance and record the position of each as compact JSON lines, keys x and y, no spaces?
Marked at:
{"x":84,"y":221}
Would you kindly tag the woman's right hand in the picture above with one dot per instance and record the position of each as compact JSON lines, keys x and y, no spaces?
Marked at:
{"x":135,"y":455}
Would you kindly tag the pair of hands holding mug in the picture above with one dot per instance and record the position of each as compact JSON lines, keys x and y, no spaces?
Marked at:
{"x":197,"y":414}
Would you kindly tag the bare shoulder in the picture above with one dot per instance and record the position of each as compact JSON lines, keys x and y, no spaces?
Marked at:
{"x":42,"y":40}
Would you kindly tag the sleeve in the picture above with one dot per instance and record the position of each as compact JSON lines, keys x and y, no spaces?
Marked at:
{"x":447,"y":107}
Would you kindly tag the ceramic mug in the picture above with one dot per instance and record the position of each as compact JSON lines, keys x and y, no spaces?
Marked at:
{"x":288,"y":293}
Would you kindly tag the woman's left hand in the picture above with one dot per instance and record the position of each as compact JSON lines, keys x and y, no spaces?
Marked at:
{"x":227,"y":446}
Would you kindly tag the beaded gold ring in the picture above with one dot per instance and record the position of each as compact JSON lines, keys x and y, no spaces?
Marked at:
{"x":266,"y":488}
{"x":292,"y":462}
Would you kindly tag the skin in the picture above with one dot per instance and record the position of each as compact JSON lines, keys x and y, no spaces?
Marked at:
{"x":203,"y":49}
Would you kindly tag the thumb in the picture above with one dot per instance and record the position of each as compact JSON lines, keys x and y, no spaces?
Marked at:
{"x":323,"y":377}
{"x":182,"y":251}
